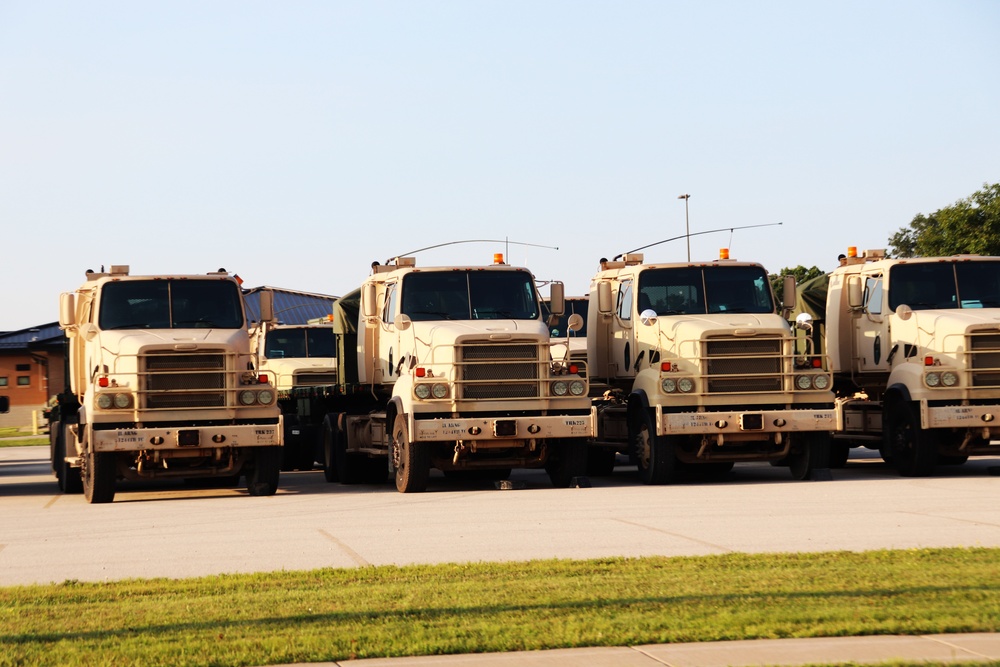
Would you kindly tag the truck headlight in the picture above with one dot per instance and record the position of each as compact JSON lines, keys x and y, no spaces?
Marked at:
{"x":949,"y":378}
{"x":821,"y":381}
{"x":265,"y":397}
{"x":248,"y":397}
{"x":559,"y":388}
{"x":123,"y":401}
{"x":668,"y":385}
{"x":686,"y":385}
{"x":422,"y":391}
{"x":803,"y":382}
{"x":104,"y":401}
{"x":577,"y":387}
{"x":439,"y":390}
{"x":932,"y":379}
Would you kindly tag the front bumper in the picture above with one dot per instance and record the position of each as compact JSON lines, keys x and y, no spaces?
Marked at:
{"x":187,"y":437}
{"x":504,"y":429}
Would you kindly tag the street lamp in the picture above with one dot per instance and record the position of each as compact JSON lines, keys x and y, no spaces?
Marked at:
{"x":687,"y":225}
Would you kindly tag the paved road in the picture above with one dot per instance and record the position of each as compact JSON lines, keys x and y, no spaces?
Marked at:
{"x":178,"y":531}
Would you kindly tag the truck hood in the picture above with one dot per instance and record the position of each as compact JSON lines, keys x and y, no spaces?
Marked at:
{"x":447,"y":332}
{"x":133,"y":341}
{"x":944,"y":329}
{"x":679,"y":328}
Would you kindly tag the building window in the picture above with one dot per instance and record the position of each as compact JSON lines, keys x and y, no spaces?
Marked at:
{"x":3,"y":381}
{"x":23,"y":367}
{"x":23,"y":381}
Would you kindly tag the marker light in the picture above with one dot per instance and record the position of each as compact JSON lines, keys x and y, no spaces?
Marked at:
{"x":421,"y":372}
{"x":666,"y":366}
{"x":723,"y":253}
{"x":574,"y":369}
{"x":817,"y":363}
{"x":262,"y":378}
{"x":928,"y":361}
{"x":102,"y":381}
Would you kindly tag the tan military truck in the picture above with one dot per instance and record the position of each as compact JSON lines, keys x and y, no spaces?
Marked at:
{"x":301,"y":360}
{"x":692,"y":366}
{"x":163,"y":383}
{"x":450,"y":368}
{"x":914,"y":346}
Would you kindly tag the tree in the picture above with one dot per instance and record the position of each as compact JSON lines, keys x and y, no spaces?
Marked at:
{"x":801,"y":274}
{"x":969,"y":226}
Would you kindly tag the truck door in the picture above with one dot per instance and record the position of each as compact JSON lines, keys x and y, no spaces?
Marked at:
{"x":622,"y":343}
{"x":872,"y":336}
{"x":389,"y":343}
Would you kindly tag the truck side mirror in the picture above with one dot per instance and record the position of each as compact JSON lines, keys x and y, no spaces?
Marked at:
{"x":557,"y":299}
{"x":575,"y":322}
{"x":854,"y":296}
{"x":67,"y":309}
{"x":266,"y":305}
{"x":604,"y":306}
{"x":369,"y":296}
{"x":788,"y":292}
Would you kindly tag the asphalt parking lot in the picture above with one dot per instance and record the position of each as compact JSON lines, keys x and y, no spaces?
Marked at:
{"x":175,"y":530}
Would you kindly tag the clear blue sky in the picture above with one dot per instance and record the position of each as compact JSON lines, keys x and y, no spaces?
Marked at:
{"x":295,"y":142}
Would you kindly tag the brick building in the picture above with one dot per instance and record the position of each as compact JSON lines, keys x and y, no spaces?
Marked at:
{"x":32,"y":365}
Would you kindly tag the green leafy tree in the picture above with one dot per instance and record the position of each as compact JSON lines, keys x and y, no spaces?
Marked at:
{"x":969,"y":226}
{"x":801,"y":274}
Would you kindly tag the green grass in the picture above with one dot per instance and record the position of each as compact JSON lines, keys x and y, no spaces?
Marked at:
{"x":392,"y":611}
{"x":15,"y":437}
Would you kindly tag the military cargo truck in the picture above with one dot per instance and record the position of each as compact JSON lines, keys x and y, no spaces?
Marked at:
{"x":162,"y":384}
{"x":693,"y":368}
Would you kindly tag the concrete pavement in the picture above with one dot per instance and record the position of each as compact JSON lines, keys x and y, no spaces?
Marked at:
{"x":981,"y":648}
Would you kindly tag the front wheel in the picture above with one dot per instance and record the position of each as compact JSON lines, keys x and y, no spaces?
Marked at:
{"x":67,"y":477}
{"x":99,"y":471}
{"x":411,"y":460}
{"x":912,"y":450}
{"x":262,"y":480}
{"x":567,"y":461}
{"x":812,"y":452}
{"x":654,"y":454}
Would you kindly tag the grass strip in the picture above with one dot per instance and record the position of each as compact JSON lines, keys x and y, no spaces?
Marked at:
{"x":24,"y":442}
{"x":337,"y":614}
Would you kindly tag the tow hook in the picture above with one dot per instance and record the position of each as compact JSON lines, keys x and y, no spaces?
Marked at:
{"x":459,"y":450}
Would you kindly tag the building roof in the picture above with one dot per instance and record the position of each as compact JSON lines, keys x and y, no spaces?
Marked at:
{"x":290,"y":306}
{"x":43,"y":334}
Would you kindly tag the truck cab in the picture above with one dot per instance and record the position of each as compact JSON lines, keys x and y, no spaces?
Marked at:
{"x":459,"y":356}
{"x":698,"y":368}
{"x":914,"y":346}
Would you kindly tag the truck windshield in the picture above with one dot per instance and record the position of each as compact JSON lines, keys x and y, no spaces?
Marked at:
{"x":469,"y":295}
{"x":561,"y":327}
{"x":170,"y":304}
{"x":300,"y":343}
{"x":945,"y":285}
{"x":693,"y":290}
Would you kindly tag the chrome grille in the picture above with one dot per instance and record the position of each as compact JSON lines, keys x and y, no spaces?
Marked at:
{"x":743,"y":365}
{"x":184,"y":380}
{"x":492,"y":371}
{"x":984,"y":350}
{"x":313,"y":379}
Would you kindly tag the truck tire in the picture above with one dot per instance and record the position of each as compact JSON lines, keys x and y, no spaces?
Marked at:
{"x":912,"y":450}
{"x":812,"y":453}
{"x":839,"y":453}
{"x":67,"y":477}
{"x":411,"y":460}
{"x":601,"y":462}
{"x":262,"y":479}
{"x":654,"y":455}
{"x":98,"y":473}
{"x":568,"y":461}
{"x":329,"y":455}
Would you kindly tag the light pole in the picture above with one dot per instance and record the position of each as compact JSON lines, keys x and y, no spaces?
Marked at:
{"x":687,"y":225}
